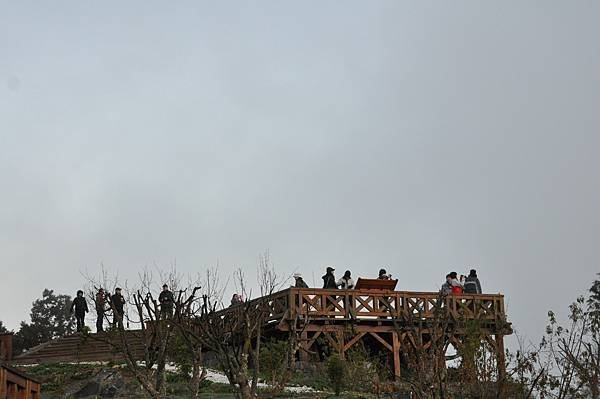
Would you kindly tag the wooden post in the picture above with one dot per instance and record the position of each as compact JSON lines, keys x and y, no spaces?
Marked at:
{"x":501,"y":364}
{"x":304,"y":344}
{"x":340,"y":340}
{"x":6,"y":346}
{"x":3,"y":393}
{"x":396,"y":353}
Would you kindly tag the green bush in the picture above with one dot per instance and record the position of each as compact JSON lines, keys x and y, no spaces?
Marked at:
{"x":361,"y":369}
{"x":336,"y":370}
{"x":273,"y":360}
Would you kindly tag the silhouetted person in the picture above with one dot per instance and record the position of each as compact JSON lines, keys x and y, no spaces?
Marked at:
{"x":81,"y":308}
{"x":117,"y":302}
{"x":383,"y":275}
{"x":300,"y":283}
{"x":100,"y":309}
{"x":167,"y":300}
{"x":329,"y":279}
{"x":472,"y":284}
{"x":346,"y":282}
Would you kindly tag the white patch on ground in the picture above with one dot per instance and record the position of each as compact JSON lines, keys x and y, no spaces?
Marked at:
{"x":220,"y":378}
{"x":216,"y":376}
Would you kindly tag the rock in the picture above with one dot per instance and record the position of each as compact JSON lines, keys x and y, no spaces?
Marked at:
{"x":106,"y":384}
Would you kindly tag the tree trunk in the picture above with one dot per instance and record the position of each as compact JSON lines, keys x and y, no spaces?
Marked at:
{"x":245,"y":391}
{"x":160,"y":377}
{"x":197,"y":375}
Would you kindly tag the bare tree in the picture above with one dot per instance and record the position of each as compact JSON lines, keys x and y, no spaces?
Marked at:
{"x":429,"y":341}
{"x":234,"y":334}
{"x":146,"y":349}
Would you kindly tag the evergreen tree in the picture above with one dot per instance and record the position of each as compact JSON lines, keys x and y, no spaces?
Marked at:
{"x":3,"y":329}
{"x":50,"y":318}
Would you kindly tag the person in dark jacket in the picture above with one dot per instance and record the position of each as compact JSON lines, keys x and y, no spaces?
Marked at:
{"x":300,"y":283}
{"x":117,"y":302}
{"x":329,"y":279}
{"x":447,"y":286}
{"x":383,"y":275}
{"x":330,"y":284}
{"x":236,"y":299}
{"x":81,"y":308}
{"x":472,"y":284}
{"x":166,"y":300}
{"x":100,"y":309}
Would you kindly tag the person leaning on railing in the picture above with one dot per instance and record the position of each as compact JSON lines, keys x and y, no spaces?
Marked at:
{"x":300,"y":283}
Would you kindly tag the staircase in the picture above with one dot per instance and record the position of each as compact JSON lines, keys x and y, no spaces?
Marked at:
{"x":82,"y":348}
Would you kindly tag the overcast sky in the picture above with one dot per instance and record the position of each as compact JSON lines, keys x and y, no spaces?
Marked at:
{"x":426,"y":137}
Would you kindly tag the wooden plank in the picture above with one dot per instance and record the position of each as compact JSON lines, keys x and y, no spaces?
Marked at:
{"x":354,"y":340}
{"x":383,"y":341}
{"x":313,"y":339}
{"x":3,"y":392}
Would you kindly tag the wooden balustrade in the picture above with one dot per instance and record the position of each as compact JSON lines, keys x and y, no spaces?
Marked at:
{"x":402,"y":305}
{"x":366,"y":305}
{"x":14,"y":384}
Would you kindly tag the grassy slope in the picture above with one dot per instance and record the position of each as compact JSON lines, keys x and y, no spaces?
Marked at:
{"x":56,"y":377}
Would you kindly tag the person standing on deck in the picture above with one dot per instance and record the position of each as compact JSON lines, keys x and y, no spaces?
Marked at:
{"x":329,"y":283}
{"x":457,"y":287}
{"x":100,"y":309}
{"x":117,"y":302}
{"x":329,"y":279}
{"x":447,"y":286}
{"x":472,"y":284}
{"x":166,"y":300}
{"x":346,"y":282}
{"x":81,"y":308}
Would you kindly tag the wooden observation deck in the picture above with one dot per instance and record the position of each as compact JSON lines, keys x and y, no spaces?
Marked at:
{"x":400,"y":321}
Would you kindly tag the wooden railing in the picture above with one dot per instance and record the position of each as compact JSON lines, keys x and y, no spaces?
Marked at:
{"x":369,"y":304}
{"x":16,"y":385}
{"x":376,"y":304}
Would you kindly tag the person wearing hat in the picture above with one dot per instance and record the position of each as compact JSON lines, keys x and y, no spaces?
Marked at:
{"x":383,"y":275}
{"x":100,"y":309}
{"x":81,"y":308}
{"x":329,"y":279}
{"x":300,"y":283}
{"x":472,"y":284}
{"x":166,"y":300}
{"x":346,"y":282}
{"x":117,"y":302}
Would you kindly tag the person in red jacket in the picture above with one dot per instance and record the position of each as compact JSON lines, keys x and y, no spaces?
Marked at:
{"x":457,"y":287}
